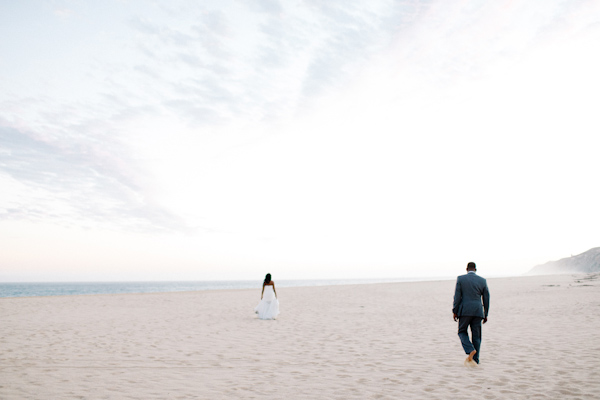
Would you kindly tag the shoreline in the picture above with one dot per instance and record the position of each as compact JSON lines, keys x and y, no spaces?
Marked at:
{"x":41,"y":289}
{"x":45,"y":289}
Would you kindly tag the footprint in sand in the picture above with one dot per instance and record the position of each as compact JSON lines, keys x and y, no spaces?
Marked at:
{"x":470,"y":363}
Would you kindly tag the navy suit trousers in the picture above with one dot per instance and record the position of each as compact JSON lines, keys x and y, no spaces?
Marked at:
{"x":463,"y":334}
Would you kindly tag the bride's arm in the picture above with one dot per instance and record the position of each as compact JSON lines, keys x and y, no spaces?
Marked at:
{"x":263,"y":292}
{"x":275,"y":291}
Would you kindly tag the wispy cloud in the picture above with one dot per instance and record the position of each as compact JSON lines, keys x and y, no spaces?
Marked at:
{"x":83,"y":183}
{"x":64,"y":13}
{"x":290,"y":54}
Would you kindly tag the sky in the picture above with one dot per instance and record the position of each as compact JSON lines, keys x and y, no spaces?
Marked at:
{"x":209,"y":140}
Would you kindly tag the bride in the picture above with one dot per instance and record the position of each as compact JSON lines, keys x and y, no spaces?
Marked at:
{"x":268,"y":308}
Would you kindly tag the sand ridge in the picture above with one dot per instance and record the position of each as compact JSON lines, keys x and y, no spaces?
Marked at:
{"x":377,"y":341}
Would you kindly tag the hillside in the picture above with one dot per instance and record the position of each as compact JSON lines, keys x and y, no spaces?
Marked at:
{"x":583,"y":263}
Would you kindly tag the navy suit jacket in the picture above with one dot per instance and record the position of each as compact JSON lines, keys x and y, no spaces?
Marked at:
{"x":471,"y":290}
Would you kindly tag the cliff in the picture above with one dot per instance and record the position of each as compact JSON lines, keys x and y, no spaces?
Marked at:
{"x":582,"y":263}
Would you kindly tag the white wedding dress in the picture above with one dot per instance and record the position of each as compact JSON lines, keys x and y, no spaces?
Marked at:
{"x":268,"y":308}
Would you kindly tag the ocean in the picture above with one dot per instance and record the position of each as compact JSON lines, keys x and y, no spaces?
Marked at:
{"x":30,"y":289}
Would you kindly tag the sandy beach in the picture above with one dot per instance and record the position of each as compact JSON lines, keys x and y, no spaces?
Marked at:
{"x":376,"y":341}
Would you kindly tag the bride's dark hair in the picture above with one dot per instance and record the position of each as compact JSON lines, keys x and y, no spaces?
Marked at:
{"x":267,"y":279}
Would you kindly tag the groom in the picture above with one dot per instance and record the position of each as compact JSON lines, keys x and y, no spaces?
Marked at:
{"x":471,"y":289}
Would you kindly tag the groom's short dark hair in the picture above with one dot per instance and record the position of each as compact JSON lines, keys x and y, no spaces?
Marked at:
{"x":471,"y":265}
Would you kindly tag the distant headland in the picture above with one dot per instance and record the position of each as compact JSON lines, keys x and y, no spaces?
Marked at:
{"x":582,"y":263}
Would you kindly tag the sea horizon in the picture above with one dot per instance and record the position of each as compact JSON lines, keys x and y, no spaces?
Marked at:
{"x":76,"y":288}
